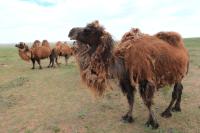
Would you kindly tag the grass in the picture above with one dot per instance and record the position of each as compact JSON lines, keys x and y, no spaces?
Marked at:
{"x":55,"y":101}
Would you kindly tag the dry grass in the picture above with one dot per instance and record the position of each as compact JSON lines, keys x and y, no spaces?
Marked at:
{"x":54,"y":101}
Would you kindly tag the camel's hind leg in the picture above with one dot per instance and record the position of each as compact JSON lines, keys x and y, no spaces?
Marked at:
{"x":129,"y":90}
{"x":176,"y":96}
{"x":177,"y":107}
{"x":147,"y":91}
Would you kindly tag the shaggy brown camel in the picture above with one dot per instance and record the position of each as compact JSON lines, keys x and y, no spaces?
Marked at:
{"x":150,"y":62}
{"x":35,"y":53}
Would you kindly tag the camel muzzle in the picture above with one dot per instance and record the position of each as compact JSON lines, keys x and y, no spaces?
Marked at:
{"x":73,"y":34}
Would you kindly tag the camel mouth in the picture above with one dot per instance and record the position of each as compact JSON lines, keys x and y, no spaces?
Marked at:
{"x":17,"y":46}
{"x":74,"y":43}
{"x":72,"y":38}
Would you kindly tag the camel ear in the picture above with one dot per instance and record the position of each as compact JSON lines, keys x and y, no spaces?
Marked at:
{"x":96,"y":23}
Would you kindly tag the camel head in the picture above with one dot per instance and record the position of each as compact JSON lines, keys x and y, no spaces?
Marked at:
{"x":22,"y":46}
{"x":90,"y":34}
{"x":92,"y":39}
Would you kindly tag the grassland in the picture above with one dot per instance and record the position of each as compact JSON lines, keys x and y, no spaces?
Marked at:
{"x":55,"y":101}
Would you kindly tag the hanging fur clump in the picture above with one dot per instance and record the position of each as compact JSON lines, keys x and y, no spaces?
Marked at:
{"x":94,"y":67}
{"x":127,"y":41}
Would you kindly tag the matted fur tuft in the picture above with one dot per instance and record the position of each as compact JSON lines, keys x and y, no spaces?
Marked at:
{"x":133,"y":35}
{"x":127,"y":41}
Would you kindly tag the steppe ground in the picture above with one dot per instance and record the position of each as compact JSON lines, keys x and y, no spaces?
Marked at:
{"x":54,"y":100}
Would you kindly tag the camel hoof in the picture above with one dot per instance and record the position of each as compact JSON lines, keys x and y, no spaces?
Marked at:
{"x":166,"y":114}
{"x":176,"y":109}
{"x":53,"y":66}
{"x":127,"y":119}
{"x":152,"y":123}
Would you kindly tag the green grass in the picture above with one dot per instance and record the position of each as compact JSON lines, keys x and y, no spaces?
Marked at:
{"x":192,"y":42}
{"x":55,"y":101}
{"x":193,"y":45}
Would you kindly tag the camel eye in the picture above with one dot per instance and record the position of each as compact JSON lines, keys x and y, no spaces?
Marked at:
{"x":87,"y":30}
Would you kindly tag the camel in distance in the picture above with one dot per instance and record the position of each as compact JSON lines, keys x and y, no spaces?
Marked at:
{"x":37,"y":52}
{"x":147,"y":61}
{"x":62,"y":50}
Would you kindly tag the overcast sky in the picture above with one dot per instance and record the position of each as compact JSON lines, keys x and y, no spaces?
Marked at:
{"x":27,"y":20}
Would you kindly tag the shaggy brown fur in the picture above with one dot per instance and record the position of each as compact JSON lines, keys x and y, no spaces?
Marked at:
{"x":35,"y":53}
{"x":140,"y":59}
{"x":156,"y":60}
{"x":126,"y":42}
{"x":93,"y":60}
{"x":171,"y":38}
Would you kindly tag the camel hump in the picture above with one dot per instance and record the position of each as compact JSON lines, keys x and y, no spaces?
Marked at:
{"x":134,"y":34}
{"x":173,"y":38}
